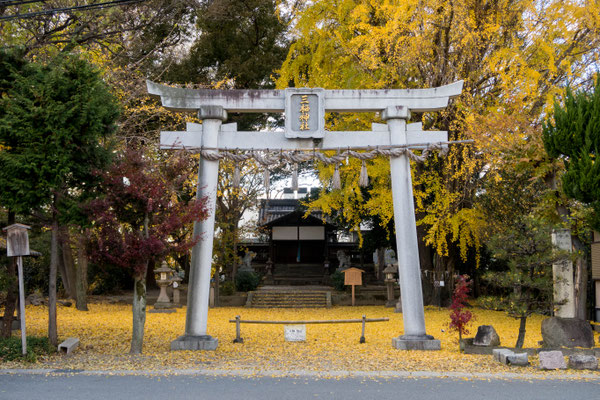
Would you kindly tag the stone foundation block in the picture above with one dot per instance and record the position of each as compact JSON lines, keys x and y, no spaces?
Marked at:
{"x":518,"y":359}
{"x":581,"y":361}
{"x":501,"y":355}
{"x":205,"y":342}
{"x":426,"y":343}
{"x":552,"y":360}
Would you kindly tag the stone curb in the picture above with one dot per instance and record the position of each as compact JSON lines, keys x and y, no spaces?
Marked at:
{"x":305,"y":374}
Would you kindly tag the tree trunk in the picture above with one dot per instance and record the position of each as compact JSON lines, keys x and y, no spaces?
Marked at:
{"x":186,"y":268}
{"x":380,"y":263}
{"x":438,"y":274}
{"x":52,"y":327}
{"x":235,"y":250}
{"x":521,"y":337}
{"x":581,"y":279}
{"x":81,"y":273}
{"x":12,"y":292}
{"x":150,"y":276}
{"x":68,"y":270}
{"x":139,"y":313}
{"x":139,"y":301}
{"x":216,"y":287}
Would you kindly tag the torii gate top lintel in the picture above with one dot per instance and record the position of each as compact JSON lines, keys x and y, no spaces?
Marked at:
{"x":305,"y":110}
{"x":257,"y":101}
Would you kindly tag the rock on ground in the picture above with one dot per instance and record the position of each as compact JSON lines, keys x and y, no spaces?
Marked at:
{"x":582,"y":361}
{"x":501,"y":355}
{"x":552,"y":360}
{"x":567,"y":332}
{"x":486,"y":336}
{"x":518,"y":359}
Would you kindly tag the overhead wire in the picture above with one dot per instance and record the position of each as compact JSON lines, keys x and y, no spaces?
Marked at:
{"x":84,"y":7}
{"x":7,"y":3}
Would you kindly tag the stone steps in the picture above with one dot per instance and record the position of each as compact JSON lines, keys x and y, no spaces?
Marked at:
{"x":289,"y":299}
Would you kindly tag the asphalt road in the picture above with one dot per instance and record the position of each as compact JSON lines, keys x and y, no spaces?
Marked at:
{"x":64,"y":386}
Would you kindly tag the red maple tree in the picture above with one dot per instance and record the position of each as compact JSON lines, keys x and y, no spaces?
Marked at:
{"x":459,"y":317}
{"x":143,"y":203}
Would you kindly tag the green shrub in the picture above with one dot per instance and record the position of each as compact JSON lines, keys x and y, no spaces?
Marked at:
{"x":10,"y":348}
{"x":246,"y":281}
{"x":227,"y":288}
{"x":337,"y":280}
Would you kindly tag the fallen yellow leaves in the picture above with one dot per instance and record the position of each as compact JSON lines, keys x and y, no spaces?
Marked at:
{"x":105,"y":333}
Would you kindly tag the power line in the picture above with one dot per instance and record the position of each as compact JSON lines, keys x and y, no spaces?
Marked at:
{"x":85,"y":7}
{"x":6,"y":3}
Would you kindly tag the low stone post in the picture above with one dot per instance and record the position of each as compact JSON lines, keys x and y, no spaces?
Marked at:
{"x":562,"y":272}
{"x":176,"y":290}
{"x":390,"y":279}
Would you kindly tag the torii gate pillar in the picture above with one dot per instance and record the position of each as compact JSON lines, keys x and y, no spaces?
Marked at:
{"x":409,"y":270}
{"x":196,"y":337}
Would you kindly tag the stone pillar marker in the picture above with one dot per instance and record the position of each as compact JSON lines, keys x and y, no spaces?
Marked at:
{"x":409,"y":269}
{"x":196,"y":337}
{"x":562,"y":272}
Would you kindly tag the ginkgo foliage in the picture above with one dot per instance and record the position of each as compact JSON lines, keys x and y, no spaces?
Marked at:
{"x":514,"y":56}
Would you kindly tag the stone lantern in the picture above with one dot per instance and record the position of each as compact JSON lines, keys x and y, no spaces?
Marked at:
{"x":164,"y":279}
{"x":176,"y":279}
{"x":390,"y":279}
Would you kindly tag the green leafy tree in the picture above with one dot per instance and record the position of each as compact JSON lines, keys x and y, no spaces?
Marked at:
{"x":519,"y":240}
{"x":526,"y":250}
{"x":55,"y":122}
{"x":572,"y":134}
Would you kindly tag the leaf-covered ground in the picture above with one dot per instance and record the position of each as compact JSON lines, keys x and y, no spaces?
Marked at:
{"x":105,"y":332}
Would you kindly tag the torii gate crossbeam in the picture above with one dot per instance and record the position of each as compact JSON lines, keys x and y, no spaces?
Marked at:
{"x":305,"y":130}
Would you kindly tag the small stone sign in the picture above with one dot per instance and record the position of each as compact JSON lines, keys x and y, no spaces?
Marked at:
{"x":294,"y":333}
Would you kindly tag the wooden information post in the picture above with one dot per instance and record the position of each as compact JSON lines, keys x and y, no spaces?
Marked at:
{"x":17,"y":245}
{"x":353,"y":277}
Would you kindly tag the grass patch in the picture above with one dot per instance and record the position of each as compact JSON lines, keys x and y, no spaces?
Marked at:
{"x":10,"y":348}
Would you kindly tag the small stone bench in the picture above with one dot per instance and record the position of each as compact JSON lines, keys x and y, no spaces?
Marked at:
{"x":68,"y":346}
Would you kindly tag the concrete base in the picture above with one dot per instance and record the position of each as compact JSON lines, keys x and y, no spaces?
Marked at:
{"x":426,"y":342}
{"x":162,"y":305}
{"x":162,"y":311}
{"x":205,"y":342}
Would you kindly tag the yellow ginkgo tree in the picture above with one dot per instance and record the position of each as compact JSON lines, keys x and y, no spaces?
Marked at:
{"x":514,"y":56}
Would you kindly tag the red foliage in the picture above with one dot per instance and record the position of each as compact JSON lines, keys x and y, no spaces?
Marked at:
{"x":138,"y":191}
{"x":459,"y":317}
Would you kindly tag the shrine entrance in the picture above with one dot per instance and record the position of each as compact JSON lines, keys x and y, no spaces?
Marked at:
{"x":305,"y":138}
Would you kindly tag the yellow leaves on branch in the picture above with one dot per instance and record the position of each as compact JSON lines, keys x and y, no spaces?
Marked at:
{"x":514,"y":56}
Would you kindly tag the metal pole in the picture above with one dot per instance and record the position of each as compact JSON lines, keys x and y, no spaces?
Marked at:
{"x":22,"y":304}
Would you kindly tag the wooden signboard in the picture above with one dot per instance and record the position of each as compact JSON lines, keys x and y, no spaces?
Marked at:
{"x":353,"y":277}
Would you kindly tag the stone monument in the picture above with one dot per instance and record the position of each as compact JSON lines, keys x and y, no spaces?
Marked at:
{"x":562,"y":272}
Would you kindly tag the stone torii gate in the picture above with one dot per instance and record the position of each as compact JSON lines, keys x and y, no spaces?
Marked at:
{"x":305,"y":130}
